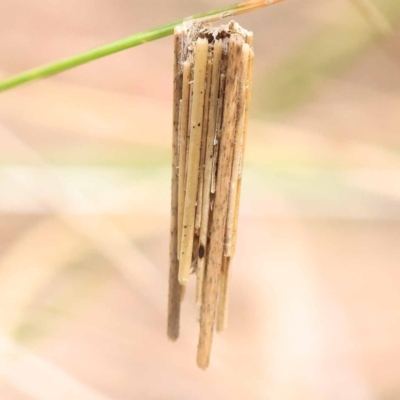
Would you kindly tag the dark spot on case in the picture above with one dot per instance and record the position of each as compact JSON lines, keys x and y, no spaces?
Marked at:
{"x":201,"y":251}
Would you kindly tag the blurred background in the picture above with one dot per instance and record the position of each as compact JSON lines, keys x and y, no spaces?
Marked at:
{"x":84,"y":209}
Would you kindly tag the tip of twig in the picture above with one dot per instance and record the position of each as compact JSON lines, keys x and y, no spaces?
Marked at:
{"x":173,"y":336}
{"x":202,"y":364}
{"x":220,"y":330}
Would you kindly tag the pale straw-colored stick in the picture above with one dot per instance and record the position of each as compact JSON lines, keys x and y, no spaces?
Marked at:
{"x":222,"y":313}
{"x":249,"y":84}
{"x":187,"y":138}
{"x":184,"y":119}
{"x":174,"y":293}
{"x":203,"y":147}
{"x":238,"y":149}
{"x":223,"y":297}
{"x":214,"y":168}
{"x":200,"y":61}
{"x":249,"y":40}
{"x":213,"y":271}
{"x":218,"y":133}
{"x":208,"y":168}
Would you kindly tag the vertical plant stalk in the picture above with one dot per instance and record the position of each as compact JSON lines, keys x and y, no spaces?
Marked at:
{"x":242,"y":112}
{"x":203,"y":146}
{"x":218,"y":132}
{"x":183,"y":134}
{"x":238,"y":150}
{"x":211,"y":131}
{"x":200,"y":62}
{"x":213,"y":271}
{"x":174,"y":295}
{"x":249,"y":84}
{"x":223,"y":298}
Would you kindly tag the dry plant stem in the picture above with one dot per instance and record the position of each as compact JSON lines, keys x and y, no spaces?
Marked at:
{"x":187,"y":137}
{"x":217,"y":133}
{"x":214,"y":90}
{"x":186,"y":150}
{"x":246,"y":123}
{"x":223,"y":299}
{"x":179,"y":156}
{"x":183,"y":131}
{"x":203,"y":147}
{"x":185,"y":260}
{"x":238,"y":149}
{"x":174,"y":295}
{"x":249,"y":83}
{"x":214,"y":168}
{"x":211,"y":283}
{"x":372,"y":14}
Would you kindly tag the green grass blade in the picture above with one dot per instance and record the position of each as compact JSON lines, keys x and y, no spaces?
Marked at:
{"x":128,"y":42}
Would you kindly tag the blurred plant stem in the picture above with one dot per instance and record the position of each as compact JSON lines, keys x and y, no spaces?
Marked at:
{"x":325,"y":53}
{"x":130,"y":41}
{"x":373,"y":15}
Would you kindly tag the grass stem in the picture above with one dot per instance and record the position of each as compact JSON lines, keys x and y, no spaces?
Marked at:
{"x":128,"y":42}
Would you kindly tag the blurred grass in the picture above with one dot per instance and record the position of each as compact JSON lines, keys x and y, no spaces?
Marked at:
{"x":138,"y":156}
{"x":326,"y":53}
{"x":69,"y":293}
